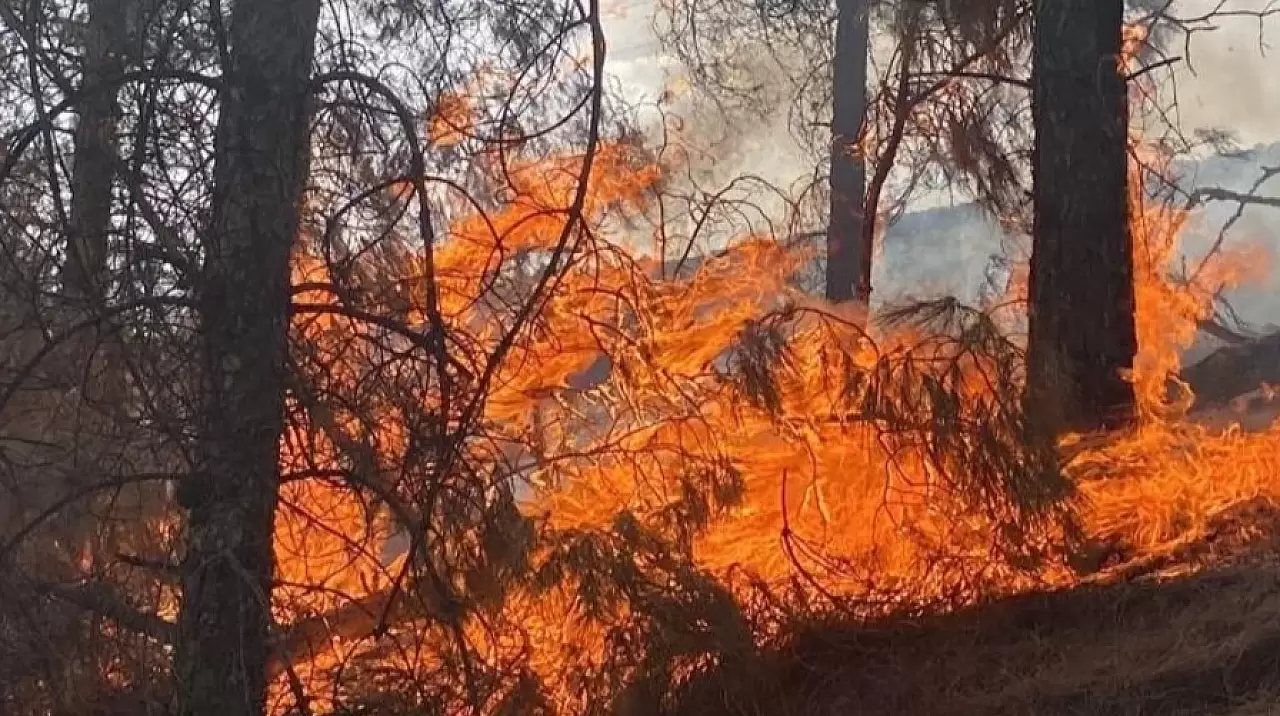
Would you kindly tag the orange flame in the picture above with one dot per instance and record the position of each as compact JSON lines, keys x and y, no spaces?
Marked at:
{"x":617,"y":392}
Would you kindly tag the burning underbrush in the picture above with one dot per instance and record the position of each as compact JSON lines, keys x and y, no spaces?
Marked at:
{"x":557,"y":477}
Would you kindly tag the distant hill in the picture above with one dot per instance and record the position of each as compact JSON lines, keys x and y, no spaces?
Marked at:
{"x":948,"y":250}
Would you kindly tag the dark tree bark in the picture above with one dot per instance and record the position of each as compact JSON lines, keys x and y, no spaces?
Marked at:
{"x":1081,"y":332}
{"x":848,"y":252}
{"x":261,"y":166}
{"x":94,"y":168}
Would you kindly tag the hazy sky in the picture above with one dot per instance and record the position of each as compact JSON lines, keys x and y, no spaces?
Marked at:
{"x":1234,"y":84}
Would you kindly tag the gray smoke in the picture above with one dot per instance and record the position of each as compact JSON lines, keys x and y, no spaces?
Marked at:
{"x":1227,"y":81}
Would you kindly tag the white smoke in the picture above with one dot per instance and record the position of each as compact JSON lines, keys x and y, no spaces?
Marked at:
{"x":1226,"y":81}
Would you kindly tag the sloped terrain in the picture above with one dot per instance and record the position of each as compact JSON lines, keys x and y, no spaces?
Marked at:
{"x":1191,"y":629}
{"x":1203,"y":642}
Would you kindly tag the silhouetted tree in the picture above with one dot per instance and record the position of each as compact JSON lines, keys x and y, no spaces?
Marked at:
{"x":260,"y":150}
{"x":848,"y":254}
{"x":105,"y":46}
{"x":160,"y":231}
{"x":1081,"y":331}
{"x":935,"y":92}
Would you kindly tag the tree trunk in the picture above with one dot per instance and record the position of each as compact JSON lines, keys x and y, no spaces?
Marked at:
{"x":1081,"y":331}
{"x":94,"y":170}
{"x":848,"y":253}
{"x":93,"y":173}
{"x":261,"y":166}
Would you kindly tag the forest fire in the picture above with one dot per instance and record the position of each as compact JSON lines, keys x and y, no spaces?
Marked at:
{"x":807,"y":454}
{"x":397,"y":358}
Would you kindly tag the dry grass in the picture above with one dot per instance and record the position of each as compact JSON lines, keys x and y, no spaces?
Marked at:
{"x":1190,"y":639}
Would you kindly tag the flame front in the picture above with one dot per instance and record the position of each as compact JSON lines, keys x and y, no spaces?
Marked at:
{"x":725,"y":402}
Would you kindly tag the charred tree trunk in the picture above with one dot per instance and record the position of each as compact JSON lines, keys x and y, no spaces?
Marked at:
{"x":94,"y":169}
{"x":848,"y":251}
{"x":261,"y":166}
{"x":1081,"y":332}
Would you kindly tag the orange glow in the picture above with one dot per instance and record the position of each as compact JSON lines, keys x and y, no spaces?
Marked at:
{"x":1160,"y":489}
{"x":618,"y":396}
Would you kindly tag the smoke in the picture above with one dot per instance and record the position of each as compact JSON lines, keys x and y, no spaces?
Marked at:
{"x":710,"y":143}
{"x":1258,"y":227}
{"x":1227,"y":79}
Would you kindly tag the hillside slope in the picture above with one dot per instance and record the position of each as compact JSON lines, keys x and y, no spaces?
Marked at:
{"x":1203,"y":642}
